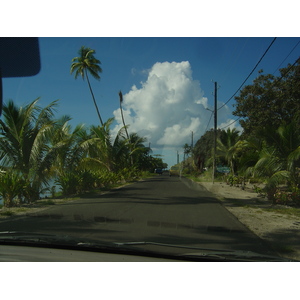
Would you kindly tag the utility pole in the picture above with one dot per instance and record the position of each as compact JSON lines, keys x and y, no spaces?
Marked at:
{"x":192,"y":145}
{"x":215,"y":135}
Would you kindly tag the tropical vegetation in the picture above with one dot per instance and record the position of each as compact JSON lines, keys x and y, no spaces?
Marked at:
{"x":84,"y":64}
{"x":267,"y":150}
{"x":39,"y":151}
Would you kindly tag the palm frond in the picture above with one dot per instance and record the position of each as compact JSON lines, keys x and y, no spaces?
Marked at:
{"x":278,"y":178}
{"x":121,"y":97}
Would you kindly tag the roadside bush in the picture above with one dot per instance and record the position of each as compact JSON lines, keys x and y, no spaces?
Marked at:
{"x":259,"y":191}
{"x":7,"y":213}
{"x":87,"y":181}
{"x":53,"y":191}
{"x":11,"y":186}
{"x":69,"y":183}
{"x":295,"y":195}
{"x":105,"y":179}
{"x":287,"y":197}
{"x":281,"y":197}
{"x":235,"y":180}
{"x":72,"y":183}
{"x":128,"y":174}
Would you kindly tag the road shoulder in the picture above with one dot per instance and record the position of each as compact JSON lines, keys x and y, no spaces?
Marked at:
{"x":281,"y":231}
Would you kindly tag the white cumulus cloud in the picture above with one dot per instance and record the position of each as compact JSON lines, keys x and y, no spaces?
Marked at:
{"x":167,"y":107}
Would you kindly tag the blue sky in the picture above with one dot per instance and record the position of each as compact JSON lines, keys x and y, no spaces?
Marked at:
{"x":149,"y":72}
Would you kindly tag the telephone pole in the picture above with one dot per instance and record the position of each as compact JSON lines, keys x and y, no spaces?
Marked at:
{"x":215,"y":134}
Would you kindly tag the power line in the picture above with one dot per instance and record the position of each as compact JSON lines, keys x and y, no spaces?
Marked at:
{"x":209,"y":121}
{"x":249,"y":74}
{"x":287,"y":57}
{"x":230,"y":123}
{"x":234,"y":62}
{"x":288,"y":70}
{"x":283,"y":75}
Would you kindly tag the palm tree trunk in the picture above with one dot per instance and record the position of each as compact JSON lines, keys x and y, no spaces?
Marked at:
{"x":121,"y":99}
{"x":94,"y":98}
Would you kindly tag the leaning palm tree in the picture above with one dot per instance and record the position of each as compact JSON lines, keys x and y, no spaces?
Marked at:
{"x":125,"y":127}
{"x":87,"y":63}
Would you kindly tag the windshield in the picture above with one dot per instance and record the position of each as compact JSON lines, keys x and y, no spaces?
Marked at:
{"x":129,"y":142}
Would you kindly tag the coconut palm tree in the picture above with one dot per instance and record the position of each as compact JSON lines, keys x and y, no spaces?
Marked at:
{"x":279,"y":159}
{"x":138,"y":151}
{"x":228,"y":146}
{"x":104,"y":151}
{"x":24,"y":144}
{"x":125,"y":127}
{"x":69,"y":167}
{"x":187,"y":149}
{"x":87,"y":63}
{"x":115,"y":154}
{"x":74,"y":145}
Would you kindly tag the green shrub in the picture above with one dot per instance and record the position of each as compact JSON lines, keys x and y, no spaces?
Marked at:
{"x":129,"y":174}
{"x":295,"y":195}
{"x":6,"y":213}
{"x":259,"y":191}
{"x":69,"y":183}
{"x":287,"y":197}
{"x":105,"y":179}
{"x":49,"y":202}
{"x":53,"y":191}
{"x":87,"y":181}
{"x":11,"y":186}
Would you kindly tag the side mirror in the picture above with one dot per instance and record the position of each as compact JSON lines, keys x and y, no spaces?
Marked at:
{"x":19,"y":57}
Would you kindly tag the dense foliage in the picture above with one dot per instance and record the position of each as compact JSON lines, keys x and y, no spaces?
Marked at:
{"x":268,"y":149}
{"x":270,"y":100}
{"x":37,"y":149}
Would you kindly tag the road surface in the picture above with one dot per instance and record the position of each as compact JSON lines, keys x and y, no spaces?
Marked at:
{"x":160,"y":209}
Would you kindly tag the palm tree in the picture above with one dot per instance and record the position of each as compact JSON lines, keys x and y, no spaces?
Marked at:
{"x":279,"y":159}
{"x":74,"y":145}
{"x":228,"y":146}
{"x":105,"y":152}
{"x":138,"y":151}
{"x":121,"y":101}
{"x":87,"y":63}
{"x":125,"y":127}
{"x":24,"y":146}
{"x":69,"y":167}
{"x":187,"y":150}
{"x":117,"y":153}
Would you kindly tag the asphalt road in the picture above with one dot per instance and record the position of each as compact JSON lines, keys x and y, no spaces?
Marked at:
{"x":161,"y":209}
